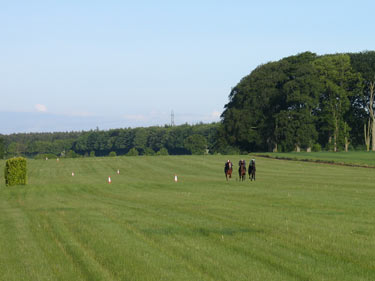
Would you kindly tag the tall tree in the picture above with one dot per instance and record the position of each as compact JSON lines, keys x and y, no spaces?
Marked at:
{"x":266,"y":108}
{"x":301,"y":95}
{"x":247,"y":120}
{"x":196,"y":144}
{"x":364,"y":63}
{"x":339,"y":82}
{"x":140,"y":139}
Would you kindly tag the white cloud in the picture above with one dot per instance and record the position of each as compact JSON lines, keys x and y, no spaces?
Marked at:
{"x":41,"y":107}
{"x":215,"y":114}
{"x":135,"y":117}
{"x":80,"y":114}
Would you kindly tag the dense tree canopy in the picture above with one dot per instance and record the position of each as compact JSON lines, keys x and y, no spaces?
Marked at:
{"x":300,"y":101}
{"x":183,"y":139}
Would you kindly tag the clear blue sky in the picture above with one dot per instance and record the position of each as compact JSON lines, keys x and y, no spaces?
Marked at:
{"x":74,"y":65}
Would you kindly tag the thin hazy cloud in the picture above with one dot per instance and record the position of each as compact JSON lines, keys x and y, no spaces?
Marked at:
{"x":135,"y":117}
{"x":216,"y":115}
{"x":40,"y":108}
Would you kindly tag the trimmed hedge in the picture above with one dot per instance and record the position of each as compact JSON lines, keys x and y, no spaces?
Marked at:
{"x":15,"y":171}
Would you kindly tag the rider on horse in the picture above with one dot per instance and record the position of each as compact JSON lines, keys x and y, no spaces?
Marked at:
{"x":228,"y":169}
{"x":252,"y":169}
{"x":228,"y":165}
{"x":242,"y":169}
{"x":241,"y":162}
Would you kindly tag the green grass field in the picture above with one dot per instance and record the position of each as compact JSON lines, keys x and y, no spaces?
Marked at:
{"x":362,"y":158}
{"x":298,"y":221}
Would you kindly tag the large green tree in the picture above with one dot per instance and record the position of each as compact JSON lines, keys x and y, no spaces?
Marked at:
{"x":274,"y":106}
{"x":295,"y":122}
{"x":364,"y":63}
{"x":196,"y":144}
{"x":340,"y":82}
{"x":247,"y":120}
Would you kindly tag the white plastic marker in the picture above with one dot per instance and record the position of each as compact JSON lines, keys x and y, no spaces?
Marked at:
{"x":72,"y":174}
{"x":118,"y":172}
{"x":109,"y":180}
{"x":175,"y":178}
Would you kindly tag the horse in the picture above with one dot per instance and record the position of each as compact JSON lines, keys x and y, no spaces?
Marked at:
{"x":252,"y":170}
{"x":228,"y":169}
{"x":242,"y":171}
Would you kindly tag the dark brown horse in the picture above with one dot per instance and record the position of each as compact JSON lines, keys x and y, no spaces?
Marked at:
{"x":242,"y":170}
{"x":228,"y":169}
{"x":252,"y":170}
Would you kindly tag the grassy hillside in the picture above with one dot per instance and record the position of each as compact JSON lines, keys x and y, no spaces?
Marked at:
{"x":298,"y":221}
{"x":353,"y":157}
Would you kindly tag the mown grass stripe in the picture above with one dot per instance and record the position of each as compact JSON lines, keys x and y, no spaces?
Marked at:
{"x":298,"y":221}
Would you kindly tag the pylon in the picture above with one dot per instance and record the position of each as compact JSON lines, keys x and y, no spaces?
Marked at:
{"x":109,"y":180}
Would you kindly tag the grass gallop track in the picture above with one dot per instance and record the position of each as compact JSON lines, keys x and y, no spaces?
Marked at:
{"x":351,"y":158}
{"x":298,"y":221}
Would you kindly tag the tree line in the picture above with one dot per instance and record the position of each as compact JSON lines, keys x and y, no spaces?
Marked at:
{"x":174,"y":140}
{"x":305,"y":102}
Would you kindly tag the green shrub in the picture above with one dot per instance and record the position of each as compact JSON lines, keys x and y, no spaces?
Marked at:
{"x":360,"y":147}
{"x":316,"y":147}
{"x":45,"y":156}
{"x":71,"y":154}
{"x":162,"y":151}
{"x":92,"y":153}
{"x":133,"y":152}
{"x":15,"y":171}
{"x":149,"y":151}
{"x":112,"y":154}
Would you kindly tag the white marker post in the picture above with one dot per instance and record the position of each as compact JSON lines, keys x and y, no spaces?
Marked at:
{"x":72,"y":174}
{"x":175,"y":178}
{"x":109,"y":180}
{"x":118,"y":172}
